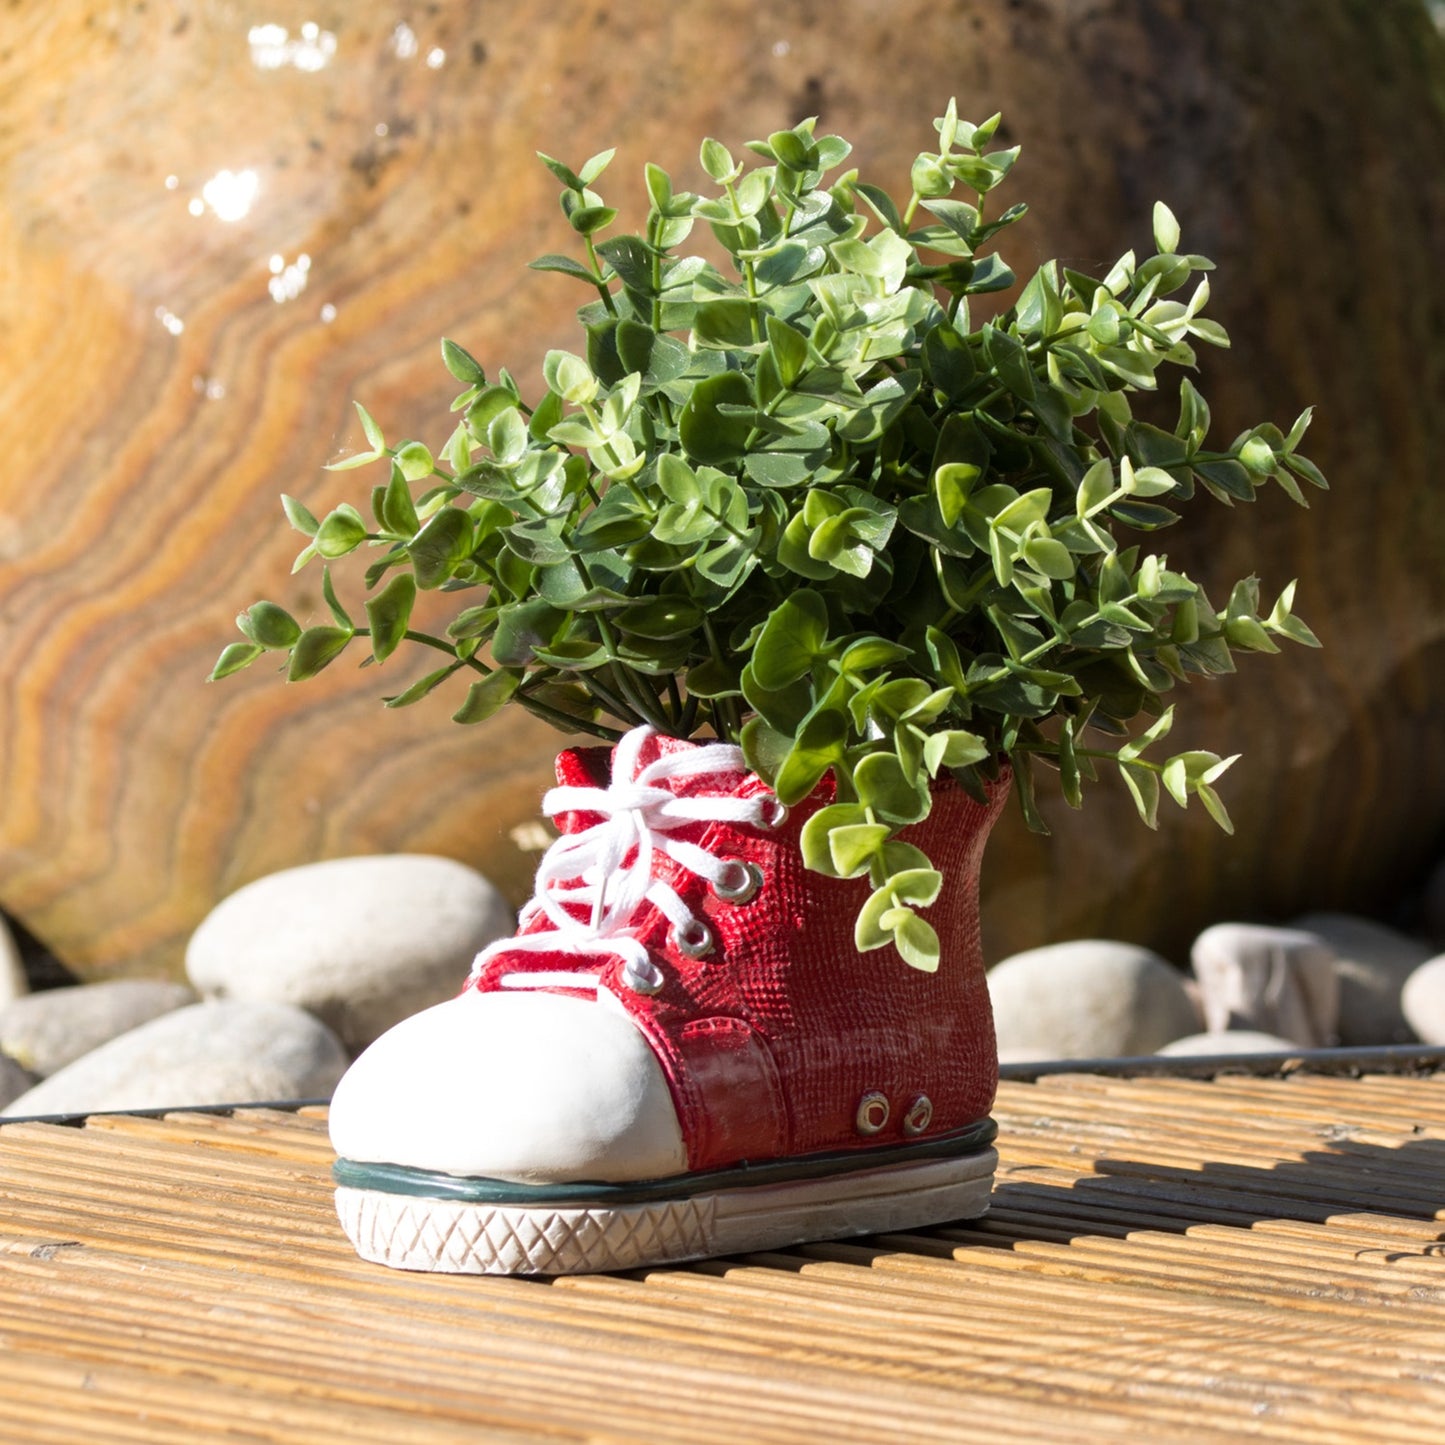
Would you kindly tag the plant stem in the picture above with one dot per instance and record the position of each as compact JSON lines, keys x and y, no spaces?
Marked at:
{"x":565,"y":721}
{"x":603,"y":289}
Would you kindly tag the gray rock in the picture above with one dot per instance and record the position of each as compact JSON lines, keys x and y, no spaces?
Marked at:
{"x":1087,"y":999}
{"x":1277,"y":981}
{"x":1230,"y":1041}
{"x":46,"y":1031}
{"x":1374,"y":962}
{"x":1423,"y":1001}
{"x":209,"y":1053}
{"x":14,"y":1080}
{"x":13,"y":982}
{"x":360,"y":942}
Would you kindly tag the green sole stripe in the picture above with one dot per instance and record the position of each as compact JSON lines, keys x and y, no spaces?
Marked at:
{"x":396,"y":1179}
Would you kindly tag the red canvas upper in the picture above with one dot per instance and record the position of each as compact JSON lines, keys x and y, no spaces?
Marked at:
{"x":770,"y":1042}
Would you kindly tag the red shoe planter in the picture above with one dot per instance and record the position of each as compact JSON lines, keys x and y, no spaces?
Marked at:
{"x":681,"y":1053}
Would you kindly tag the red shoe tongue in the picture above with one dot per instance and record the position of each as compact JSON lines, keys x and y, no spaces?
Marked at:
{"x":584,"y":767}
{"x":655,"y":746}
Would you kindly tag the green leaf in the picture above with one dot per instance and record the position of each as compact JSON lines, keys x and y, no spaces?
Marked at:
{"x":725,"y":324}
{"x":1143,"y":785}
{"x":343,"y":531}
{"x":564,"y":266}
{"x":371,"y":430}
{"x":883,"y":786}
{"x":949,"y":360}
{"x":487,"y":696}
{"x":953,"y":748}
{"x":660,"y":617}
{"x":388,"y":614}
{"x":588,"y":220}
{"x":234,"y":657}
{"x":1009,"y":359}
{"x":791,"y":150}
{"x":1214,"y":806}
{"x":299,"y":516}
{"x":569,"y":376}
{"x":328,"y":593}
{"x":717,"y":160}
{"x":1303,"y":467}
{"x":315,"y":649}
{"x":853,"y":847}
{"x":398,"y":511}
{"x":435,"y":551}
{"x":1166,"y":230}
{"x":764,"y":748}
{"x":917,"y":943}
{"x":818,"y":746}
{"x":707,"y":433}
{"x":522,"y":627}
{"x":462,"y":364}
{"x":869,"y":932}
{"x":789,"y":350}
{"x":269,"y":626}
{"x":792,"y":639}
{"x":594,"y":167}
{"x":813,"y":839}
{"x":422,"y":686}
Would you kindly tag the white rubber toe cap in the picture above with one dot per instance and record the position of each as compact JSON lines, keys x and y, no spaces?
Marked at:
{"x":531,"y":1087}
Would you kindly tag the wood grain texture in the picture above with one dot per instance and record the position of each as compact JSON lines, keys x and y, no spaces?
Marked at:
{"x":155,"y":399}
{"x":1200,"y":1260}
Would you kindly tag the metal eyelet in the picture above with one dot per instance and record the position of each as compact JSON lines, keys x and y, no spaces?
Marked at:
{"x":646,"y":978}
{"x":872,"y":1114}
{"x":739,"y":883}
{"x":778,"y":815}
{"x":919,"y":1116}
{"x":694,"y":942}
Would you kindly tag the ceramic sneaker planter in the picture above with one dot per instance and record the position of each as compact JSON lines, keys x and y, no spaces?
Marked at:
{"x":681,"y":1053}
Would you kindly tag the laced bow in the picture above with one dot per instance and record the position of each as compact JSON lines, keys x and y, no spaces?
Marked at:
{"x":590,"y":870}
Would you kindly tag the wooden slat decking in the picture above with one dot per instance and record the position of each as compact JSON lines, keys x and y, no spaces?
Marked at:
{"x":1168,"y":1259}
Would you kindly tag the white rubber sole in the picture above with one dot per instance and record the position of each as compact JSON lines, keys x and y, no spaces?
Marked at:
{"x":453,"y":1236}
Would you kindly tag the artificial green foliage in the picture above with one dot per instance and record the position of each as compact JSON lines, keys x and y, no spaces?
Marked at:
{"x":807,"y":503}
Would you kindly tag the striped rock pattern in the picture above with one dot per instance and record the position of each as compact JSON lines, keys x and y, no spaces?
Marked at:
{"x":214,"y":234}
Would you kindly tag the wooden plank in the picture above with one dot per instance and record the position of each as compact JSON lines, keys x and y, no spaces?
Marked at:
{"x":1165,"y":1259}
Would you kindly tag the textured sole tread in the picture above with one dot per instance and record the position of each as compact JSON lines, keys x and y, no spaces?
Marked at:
{"x":463,"y":1237}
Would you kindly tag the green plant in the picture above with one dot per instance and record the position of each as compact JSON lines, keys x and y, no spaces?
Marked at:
{"x":815,"y":508}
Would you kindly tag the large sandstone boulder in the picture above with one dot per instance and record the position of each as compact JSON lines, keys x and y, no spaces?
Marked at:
{"x":215,"y":234}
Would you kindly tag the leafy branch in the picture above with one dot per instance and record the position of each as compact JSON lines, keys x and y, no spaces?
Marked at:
{"x":805,"y":503}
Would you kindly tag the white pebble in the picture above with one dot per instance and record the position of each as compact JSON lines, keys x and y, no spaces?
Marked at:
{"x":362,"y":943}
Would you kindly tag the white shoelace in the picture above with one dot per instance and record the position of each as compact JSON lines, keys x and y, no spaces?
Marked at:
{"x":639,"y":814}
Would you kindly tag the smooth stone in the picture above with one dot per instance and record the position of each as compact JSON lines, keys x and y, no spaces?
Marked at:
{"x":13,"y":980}
{"x":46,"y":1031}
{"x":1228,"y":1041}
{"x":14,"y":1080}
{"x":1374,"y":962}
{"x":1087,"y":999}
{"x":1423,"y":1001}
{"x":1276,"y":981}
{"x":361,"y":943}
{"x":226,"y":1052}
